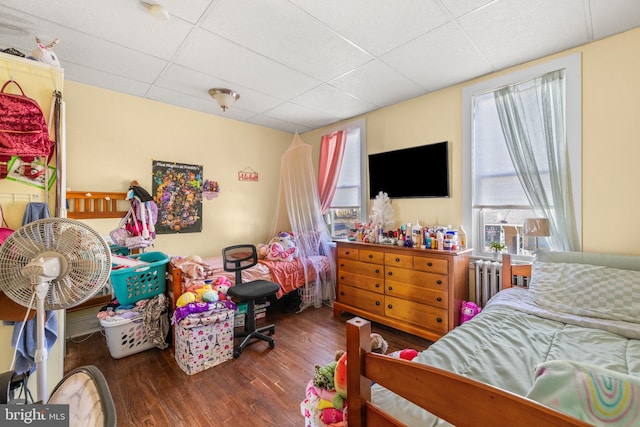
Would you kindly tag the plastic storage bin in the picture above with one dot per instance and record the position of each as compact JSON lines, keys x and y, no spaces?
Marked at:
{"x":126,"y":337}
{"x":136,"y":283}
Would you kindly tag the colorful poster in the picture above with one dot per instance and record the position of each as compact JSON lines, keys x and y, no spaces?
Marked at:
{"x":176,"y":191}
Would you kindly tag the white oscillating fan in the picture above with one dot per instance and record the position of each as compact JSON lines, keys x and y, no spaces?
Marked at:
{"x":63,"y":261}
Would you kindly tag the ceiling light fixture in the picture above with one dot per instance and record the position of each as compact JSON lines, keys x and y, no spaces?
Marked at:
{"x":224,"y":97}
{"x":156,"y":10}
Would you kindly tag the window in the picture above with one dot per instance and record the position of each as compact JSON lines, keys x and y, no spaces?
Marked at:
{"x":495,"y":201}
{"x":349,"y":202}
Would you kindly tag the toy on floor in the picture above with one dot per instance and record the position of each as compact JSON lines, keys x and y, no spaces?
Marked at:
{"x":326,"y":394}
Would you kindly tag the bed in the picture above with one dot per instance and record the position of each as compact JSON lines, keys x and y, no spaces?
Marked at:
{"x":290,"y":275}
{"x":561,"y":352}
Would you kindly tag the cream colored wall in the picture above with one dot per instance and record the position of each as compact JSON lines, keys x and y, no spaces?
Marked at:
{"x":38,"y":82}
{"x":112,"y":138}
{"x":610,"y":143}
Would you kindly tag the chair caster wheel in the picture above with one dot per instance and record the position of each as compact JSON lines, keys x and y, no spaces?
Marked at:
{"x":272,"y":331}
{"x":272,"y":344}
{"x":236,"y":354}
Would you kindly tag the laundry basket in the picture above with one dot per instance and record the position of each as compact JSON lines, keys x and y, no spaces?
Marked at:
{"x":126,"y":336}
{"x":140,"y":282}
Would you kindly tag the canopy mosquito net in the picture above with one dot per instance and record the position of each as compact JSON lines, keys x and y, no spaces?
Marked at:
{"x":298,"y":210}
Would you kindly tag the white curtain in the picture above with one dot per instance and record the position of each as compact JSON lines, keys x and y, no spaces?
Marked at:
{"x":532,"y":116}
{"x":299,"y":211}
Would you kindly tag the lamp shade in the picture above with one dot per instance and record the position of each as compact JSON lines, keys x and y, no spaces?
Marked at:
{"x":224,"y":97}
{"x":536,"y":227}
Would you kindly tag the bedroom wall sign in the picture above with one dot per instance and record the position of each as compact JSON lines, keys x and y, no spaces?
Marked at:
{"x":176,"y":190}
{"x":247,"y":174}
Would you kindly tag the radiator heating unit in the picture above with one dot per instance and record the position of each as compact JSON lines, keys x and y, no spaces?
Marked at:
{"x":488,"y":280}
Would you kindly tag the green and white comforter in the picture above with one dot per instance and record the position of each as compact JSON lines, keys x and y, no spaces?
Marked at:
{"x":514,"y":339}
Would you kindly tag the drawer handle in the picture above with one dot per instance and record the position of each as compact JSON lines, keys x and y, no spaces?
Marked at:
{"x":390,"y":288}
{"x":342,"y":265}
{"x":377,"y":302}
{"x":439,"y":282}
{"x":390,"y":273}
{"x":397,"y":259}
{"x":439,"y":299}
{"x":439,"y":319}
{"x":429,"y":264}
{"x":348,"y":253}
{"x":341,"y":277}
{"x":370,"y":256}
{"x":377,"y":270}
{"x":390,"y":306}
{"x":377,"y":285}
{"x":342,"y":293}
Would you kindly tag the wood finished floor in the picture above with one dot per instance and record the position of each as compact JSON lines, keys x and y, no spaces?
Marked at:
{"x":262,"y":387}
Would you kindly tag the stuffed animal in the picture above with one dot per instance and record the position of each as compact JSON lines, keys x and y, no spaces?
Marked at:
{"x":263,"y":250}
{"x":468,"y":311}
{"x":221,"y":286}
{"x":378,"y":344}
{"x":44,"y":53}
{"x":282,"y":247}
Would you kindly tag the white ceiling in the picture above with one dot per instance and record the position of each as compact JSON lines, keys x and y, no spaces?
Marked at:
{"x":302,"y":64}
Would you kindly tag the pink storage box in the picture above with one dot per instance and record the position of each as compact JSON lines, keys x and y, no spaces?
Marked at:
{"x":202,"y":342}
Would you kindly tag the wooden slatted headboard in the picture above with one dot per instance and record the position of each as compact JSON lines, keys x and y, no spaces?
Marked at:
{"x":96,"y":204}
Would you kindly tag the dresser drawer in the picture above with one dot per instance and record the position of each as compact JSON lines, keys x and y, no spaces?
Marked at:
{"x":368,"y":283}
{"x":432,"y":265}
{"x":375,"y":257}
{"x":361,"y":268}
{"x":419,"y":294}
{"x":349,"y":253}
{"x":395,"y":260}
{"x":417,"y":278}
{"x":422,"y":315}
{"x":365,"y":300}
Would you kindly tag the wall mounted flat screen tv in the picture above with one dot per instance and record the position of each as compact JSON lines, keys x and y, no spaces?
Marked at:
{"x":416,"y":172}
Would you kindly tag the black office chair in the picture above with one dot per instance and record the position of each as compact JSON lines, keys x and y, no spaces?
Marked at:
{"x":235,"y":259}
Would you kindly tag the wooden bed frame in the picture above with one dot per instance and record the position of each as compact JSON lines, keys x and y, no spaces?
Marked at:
{"x":95,"y":205}
{"x":454,"y":398}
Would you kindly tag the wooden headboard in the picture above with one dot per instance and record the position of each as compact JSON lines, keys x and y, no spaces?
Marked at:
{"x":96,"y":204}
{"x":93,"y":205}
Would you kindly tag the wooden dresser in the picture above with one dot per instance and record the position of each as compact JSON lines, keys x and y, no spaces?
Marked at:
{"x":418,"y":291}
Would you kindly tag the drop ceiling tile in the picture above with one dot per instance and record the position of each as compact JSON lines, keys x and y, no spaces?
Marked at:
{"x":334,"y":102}
{"x":281,"y":31}
{"x":614,"y":16}
{"x":425,"y":61}
{"x":462,"y":7}
{"x":305,"y":116}
{"x":272,"y":123}
{"x":213,"y":55}
{"x":510,"y":32}
{"x":91,"y":76}
{"x":127,"y":24}
{"x":197,"y":84}
{"x":378,"y":84}
{"x":377,"y":25}
{"x":190,"y":11}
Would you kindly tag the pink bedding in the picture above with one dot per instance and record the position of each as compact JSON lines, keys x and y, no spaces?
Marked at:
{"x":289,"y":275}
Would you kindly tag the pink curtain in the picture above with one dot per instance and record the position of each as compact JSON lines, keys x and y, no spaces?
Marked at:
{"x":331,"y":155}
